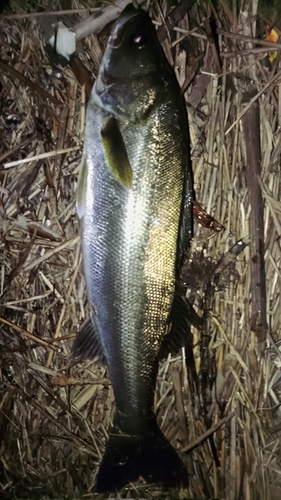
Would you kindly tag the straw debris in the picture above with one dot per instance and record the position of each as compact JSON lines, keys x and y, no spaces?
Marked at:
{"x":222,"y":414}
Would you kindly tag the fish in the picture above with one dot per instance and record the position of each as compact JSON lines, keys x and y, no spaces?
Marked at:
{"x":135,"y":198}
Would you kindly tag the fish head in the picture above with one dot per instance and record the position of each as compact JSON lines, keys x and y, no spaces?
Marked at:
{"x":134,"y":69}
{"x":132,"y":43}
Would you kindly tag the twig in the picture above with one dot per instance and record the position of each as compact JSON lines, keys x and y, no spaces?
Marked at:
{"x":41,"y":156}
{"x":49,"y":13}
{"x":51,"y":252}
{"x":244,"y":38}
{"x":251,"y":130}
{"x":268,"y":84}
{"x":27,"y":334}
{"x":13,"y":73}
{"x":208,"y":433}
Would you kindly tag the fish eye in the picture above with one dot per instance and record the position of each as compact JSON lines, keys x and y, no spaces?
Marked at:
{"x":139,"y":39}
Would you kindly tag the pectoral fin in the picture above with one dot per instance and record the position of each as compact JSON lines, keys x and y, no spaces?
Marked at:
{"x":115,"y":152}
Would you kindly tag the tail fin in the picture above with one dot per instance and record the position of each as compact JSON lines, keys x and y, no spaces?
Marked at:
{"x":150,"y":456}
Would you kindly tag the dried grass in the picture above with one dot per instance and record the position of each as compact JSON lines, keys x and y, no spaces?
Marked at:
{"x":55,"y":417}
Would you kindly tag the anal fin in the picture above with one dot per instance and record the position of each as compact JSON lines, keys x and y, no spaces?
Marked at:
{"x":182,"y":316}
{"x":180,"y":336}
{"x":87,"y":343}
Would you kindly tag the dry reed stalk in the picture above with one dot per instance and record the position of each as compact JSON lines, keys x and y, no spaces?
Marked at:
{"x":251,"y":127}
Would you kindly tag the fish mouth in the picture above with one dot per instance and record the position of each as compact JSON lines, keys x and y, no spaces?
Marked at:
{"x":123,"y":24}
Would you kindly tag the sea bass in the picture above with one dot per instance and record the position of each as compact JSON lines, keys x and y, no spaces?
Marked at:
{"x":136,"y":203}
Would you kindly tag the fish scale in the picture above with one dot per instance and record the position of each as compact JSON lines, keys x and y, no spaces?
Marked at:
{"x":135,"y":272}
